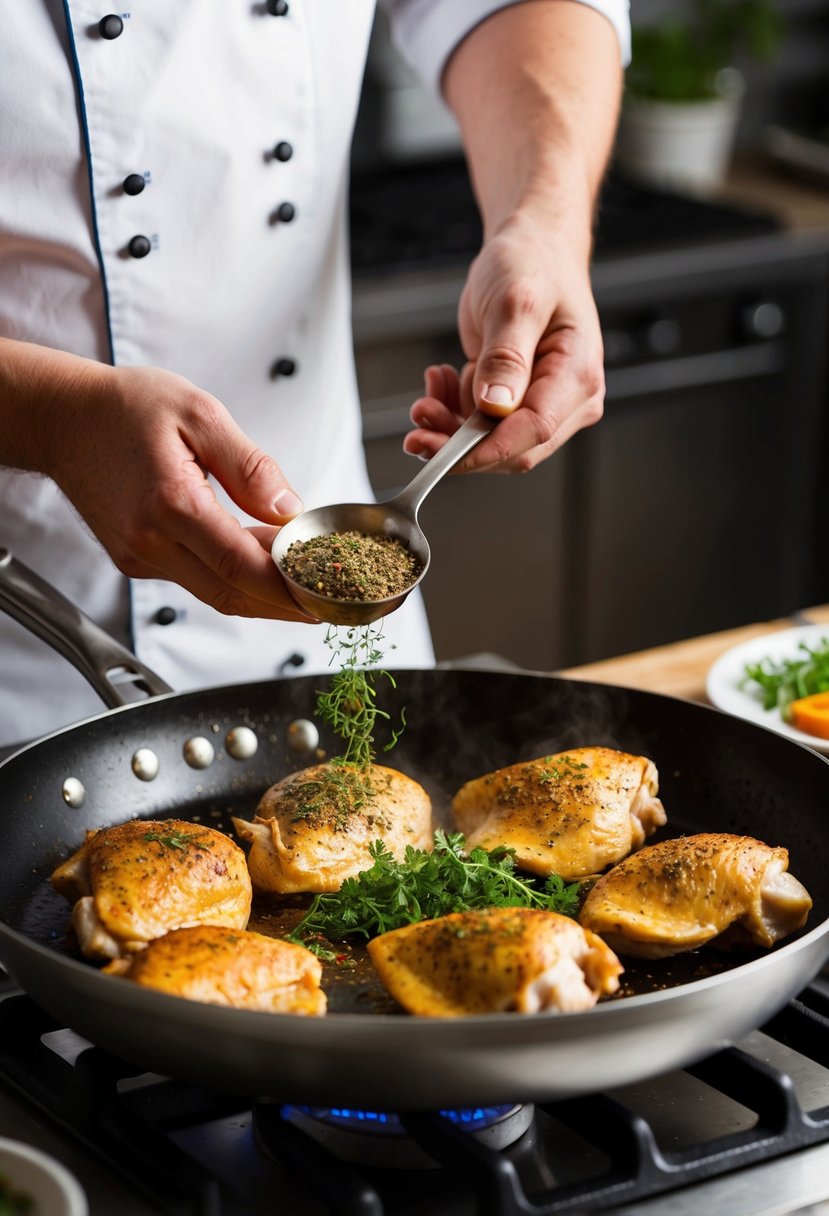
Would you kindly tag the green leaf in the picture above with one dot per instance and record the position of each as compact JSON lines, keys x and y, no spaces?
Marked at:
{"x":391,"y":893}
{"x":779,"y":682}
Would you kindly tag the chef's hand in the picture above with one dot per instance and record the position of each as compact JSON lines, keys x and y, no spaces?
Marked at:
{"x":131,"y":449}
{"x":138,"y":477}
{"x":530,"y":331}
{"x":536,"y":91}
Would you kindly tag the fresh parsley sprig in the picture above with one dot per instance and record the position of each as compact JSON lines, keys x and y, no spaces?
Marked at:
{"x":781,"y":682}
{"x":424,"y":885}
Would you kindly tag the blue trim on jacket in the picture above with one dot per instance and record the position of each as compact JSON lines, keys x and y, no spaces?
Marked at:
{"x":87,"y":145}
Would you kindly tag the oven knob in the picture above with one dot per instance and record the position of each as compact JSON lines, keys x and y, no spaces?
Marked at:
{"x":619,"y":347}
{"x":765,"y":319}
{"x":662,"y":336}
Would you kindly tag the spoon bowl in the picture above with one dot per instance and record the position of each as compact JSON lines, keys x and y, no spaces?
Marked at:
{"x":376,"y":519}
{"x":397,"y":518}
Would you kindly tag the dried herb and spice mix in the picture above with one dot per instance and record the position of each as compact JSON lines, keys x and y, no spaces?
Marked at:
{"x":352,"y":566}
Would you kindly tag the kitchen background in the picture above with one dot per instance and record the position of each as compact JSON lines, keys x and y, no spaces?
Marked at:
{"x":697,"y":503}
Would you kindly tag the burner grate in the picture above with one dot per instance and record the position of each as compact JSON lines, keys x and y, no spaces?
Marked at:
{"x":146,"y":1127}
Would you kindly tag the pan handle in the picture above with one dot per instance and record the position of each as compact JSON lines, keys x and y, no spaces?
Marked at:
{"x":42,"y":610}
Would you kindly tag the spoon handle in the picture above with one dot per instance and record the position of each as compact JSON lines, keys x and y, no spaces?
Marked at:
{"x":476,"y":427}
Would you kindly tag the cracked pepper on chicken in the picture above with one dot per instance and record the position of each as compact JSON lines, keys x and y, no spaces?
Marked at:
{"x":132,"y":883}
{"x":683,"y":893}
{"x":572,"y":814}
{"x":495,"y":960}
{"x":313,"y":829}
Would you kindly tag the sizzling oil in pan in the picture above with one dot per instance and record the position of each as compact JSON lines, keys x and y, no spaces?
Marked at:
{"x":351,"y":983}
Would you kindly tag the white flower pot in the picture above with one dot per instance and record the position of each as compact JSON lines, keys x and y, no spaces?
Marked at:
{"x":685,"y":146}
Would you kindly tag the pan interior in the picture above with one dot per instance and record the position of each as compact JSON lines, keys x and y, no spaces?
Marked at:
{"x":716,"y":774}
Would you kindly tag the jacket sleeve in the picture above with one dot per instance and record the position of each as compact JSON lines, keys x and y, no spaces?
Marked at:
{"x":427,"y":31}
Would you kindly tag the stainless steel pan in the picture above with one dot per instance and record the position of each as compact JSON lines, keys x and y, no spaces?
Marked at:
{"x":717,"y":774}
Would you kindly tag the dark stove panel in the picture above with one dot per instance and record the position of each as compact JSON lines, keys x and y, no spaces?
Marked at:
{"x":420,"y":216}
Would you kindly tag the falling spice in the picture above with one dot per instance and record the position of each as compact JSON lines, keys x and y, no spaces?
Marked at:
{"x":352,"y":566}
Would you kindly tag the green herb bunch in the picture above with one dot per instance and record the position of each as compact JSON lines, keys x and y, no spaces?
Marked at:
{"x":425,"y":885}
{"x":678,"y":58}
{"x":350,"y":704}
{"x":788,"y":680}
{"x":12,"y":1201}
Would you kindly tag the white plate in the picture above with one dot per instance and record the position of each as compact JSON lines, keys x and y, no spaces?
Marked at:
{"x":52,"y":1189}
{"x":727,"y":674}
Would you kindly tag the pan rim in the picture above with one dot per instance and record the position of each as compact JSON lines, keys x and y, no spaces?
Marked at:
{"x":18,"y":749}
{"x":456,"y":1026}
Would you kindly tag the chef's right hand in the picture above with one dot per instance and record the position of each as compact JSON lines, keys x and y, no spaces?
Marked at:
{"x":132,"y":448}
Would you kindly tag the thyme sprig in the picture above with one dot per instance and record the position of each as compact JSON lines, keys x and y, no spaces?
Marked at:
{"x":424,"y":885}
{"x":350,"y":705}
{"x":174,"y":840}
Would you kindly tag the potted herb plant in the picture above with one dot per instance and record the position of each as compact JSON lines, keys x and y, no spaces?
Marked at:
{"x":683,"y":89}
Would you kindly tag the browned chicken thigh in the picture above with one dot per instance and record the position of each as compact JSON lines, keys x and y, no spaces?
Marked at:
{"x":229,"y":967}
{"x":313,"y":829}
{"x":679,"y":894}
{"x":131,"y":884}
{"x":572,"y":814}
{"x":495,"y":960}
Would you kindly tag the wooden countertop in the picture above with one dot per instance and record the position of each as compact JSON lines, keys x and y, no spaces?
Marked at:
{"x":680,"y":668}
{"x":801,"y":205}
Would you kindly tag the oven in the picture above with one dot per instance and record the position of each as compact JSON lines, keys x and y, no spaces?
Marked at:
{"x":743,"y":1133}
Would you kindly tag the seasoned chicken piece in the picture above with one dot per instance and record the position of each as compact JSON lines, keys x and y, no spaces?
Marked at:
{"x":131,"y":884}
{"x":495,"y":960}
{"x":312,"y":830}
{"x":680,"y":894}
{"x":229,"y":967}
{"x":572,"y":814}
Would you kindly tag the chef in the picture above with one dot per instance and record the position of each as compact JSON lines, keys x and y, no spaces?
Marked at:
{"x":176,"y":367}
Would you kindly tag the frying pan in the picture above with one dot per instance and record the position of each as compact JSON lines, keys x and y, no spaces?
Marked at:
{"x":718,"y":773}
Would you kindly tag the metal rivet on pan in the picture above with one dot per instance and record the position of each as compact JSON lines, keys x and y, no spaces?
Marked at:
{"x":199,"y":752}
{"x":73,"y":792}
{"x":241,"y":743}
{"x":145,"y":764}
{"x":303,"y":735}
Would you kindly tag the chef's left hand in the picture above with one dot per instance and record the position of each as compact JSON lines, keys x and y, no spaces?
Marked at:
{"x":530,"y":331}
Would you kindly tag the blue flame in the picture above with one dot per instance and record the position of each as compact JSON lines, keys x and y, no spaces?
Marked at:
{"x":346,"y":1116}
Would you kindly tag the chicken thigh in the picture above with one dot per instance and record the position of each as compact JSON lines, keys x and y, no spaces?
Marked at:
{"x":131,"y":884}
{"x":679,"y":894}
{"x":221,"y":966}
{"x":572,"y":814}
{"x":494,"y":960}
{"x":313,"y":829}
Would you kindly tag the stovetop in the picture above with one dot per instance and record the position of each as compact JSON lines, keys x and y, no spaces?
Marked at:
{"x":422,"y":215}
{"x":743,"y":1133}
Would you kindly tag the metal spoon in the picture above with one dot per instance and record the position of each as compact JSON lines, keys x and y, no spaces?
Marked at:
{"x":396,"y":517}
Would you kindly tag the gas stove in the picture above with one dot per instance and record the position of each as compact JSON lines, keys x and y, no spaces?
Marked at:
{"x":422,"y":215}
{"x":743,"y":1133}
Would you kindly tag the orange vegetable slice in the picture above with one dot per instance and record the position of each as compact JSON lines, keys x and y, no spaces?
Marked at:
{"x":811,"y":714}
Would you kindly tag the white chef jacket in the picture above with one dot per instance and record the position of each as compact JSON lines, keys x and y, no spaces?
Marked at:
{"x":246,"y":279}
